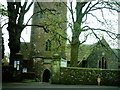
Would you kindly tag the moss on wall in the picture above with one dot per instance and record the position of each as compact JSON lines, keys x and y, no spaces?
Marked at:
{"x":38,"y":68}
{"x":73,"y":75}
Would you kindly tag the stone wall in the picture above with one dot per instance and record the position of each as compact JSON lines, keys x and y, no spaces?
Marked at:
{"x":74,"y":75}
{"x":38,"y":67}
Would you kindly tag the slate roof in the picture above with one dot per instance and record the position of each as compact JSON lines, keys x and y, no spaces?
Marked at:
{"x":117,"y":53}
{"x":86,"y":50}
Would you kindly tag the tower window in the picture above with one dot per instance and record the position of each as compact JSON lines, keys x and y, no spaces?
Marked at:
{"x":48,"y":45}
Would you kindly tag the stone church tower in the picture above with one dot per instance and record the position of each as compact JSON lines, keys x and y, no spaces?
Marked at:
{"x":49,"y":39}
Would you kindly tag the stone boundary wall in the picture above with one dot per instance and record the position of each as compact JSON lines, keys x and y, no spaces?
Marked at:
{"x":88,"y":76}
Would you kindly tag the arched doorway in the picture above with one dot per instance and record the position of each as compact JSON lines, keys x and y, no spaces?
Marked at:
{"x":46,"y":75}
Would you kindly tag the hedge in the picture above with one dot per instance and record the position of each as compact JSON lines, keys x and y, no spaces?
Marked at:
{"x":88,"y":76}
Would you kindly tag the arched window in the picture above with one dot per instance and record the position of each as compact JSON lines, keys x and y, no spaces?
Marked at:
{"x":99,"y":63}
{"x":103,"y":63}
{"x":48,"y":45}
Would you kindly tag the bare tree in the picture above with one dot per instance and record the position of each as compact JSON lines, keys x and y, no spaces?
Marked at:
{"x":16,"y":13}
{"x":82,"y":10}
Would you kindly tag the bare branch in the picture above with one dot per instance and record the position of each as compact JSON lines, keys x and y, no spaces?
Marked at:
{"x":96,"y":18}
{"x":79,"y":14}
{"x":95,"y":35}
{"x":72,"y":13}
{"x":39,"y":5}
{"x":29,"y":6}
{"x":46,"y":9}
{"x":24,"y":6}
{"x":71,"y":10}
{"x":98,"y":29}
{"x":86,"y":10}
{"x":4,"y":25}
{"x":104,"y":19}
{"x":85,"y":38}
{"x":23,"y":12}
{"x":61,"y":35}
{"x":92,"y":7}
{"x":41,"y":10}
{"x":18,"y":5}
{"x":111,"y":36}
{"x":31,"y":17}
{"x":42,"y":26}
{"x":97,"y":8}
{"x":85,"y":18}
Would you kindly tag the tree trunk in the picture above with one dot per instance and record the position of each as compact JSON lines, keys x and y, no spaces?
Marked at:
{"x":75,"y":45}
{"x":74,"y":54}
{"x":14,"y":28}
{"x":76,"y":33}
{"x":14,"y":45}
{"x":3,"y":48}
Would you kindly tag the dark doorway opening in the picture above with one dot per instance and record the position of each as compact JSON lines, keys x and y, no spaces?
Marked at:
{"x":46,"y":75}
